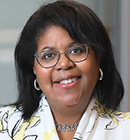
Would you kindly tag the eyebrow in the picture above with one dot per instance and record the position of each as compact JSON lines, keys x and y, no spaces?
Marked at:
{"x":48,"y":47}
{"x":52,"y":48}
{"x":72,"y":43}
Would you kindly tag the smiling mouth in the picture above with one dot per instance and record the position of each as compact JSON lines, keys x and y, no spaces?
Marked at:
{"x":67,"y":81}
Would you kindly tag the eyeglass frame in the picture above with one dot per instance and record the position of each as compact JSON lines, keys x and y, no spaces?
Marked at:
{"x":58,"y":58}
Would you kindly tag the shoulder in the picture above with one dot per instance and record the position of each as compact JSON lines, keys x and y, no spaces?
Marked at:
{"x":112,"y":119}
{"x":9,"y":110}
{"x":8,"y":113}
{"x":13,"y":126}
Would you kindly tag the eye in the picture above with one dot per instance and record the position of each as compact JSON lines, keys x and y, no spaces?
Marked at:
{"x":77,"y":50}
{"x":48,"y":55}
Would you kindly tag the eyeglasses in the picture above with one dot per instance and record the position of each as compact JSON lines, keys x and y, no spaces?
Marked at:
{"x":49,"y":58}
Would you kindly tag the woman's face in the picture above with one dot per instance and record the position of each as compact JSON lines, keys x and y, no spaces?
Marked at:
{"x":54,"y":81}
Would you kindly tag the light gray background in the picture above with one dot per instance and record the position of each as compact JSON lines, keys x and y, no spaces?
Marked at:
{"x":15,"y":13}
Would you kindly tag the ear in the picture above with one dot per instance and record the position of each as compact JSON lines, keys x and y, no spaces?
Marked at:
{"x":98,"y":60}
{"x":34,"y":70}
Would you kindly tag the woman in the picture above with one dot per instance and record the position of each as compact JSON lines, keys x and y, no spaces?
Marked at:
{"x":69,"y":87}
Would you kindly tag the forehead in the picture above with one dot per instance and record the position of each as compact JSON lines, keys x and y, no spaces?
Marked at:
{"x":54,"y":36}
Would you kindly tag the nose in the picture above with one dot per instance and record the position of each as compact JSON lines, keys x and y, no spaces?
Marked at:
{"x":64,"y":63}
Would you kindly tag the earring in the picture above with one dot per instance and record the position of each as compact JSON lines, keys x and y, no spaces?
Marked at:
{"x":35,"y":85}
{"x":101,"y":74}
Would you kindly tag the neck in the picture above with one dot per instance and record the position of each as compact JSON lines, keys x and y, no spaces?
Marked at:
{"x":67,"y":114}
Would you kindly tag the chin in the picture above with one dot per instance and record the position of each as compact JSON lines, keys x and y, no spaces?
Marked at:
{"x":69,"y":102}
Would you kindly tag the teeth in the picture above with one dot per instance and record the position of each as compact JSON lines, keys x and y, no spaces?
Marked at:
{"x":68,"y":81}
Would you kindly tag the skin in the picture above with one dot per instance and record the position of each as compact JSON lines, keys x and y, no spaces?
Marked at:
{"x":72,"y":98}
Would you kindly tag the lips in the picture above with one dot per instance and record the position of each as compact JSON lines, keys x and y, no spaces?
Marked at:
{"x":67,"y":79}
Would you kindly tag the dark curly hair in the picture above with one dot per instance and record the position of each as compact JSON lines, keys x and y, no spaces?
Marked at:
{"x":83,"y":26}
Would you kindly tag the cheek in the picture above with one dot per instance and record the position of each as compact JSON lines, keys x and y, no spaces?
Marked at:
{"x":88,"y":67}
{"x":90,"y":71}
{"x":43,"y":76}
